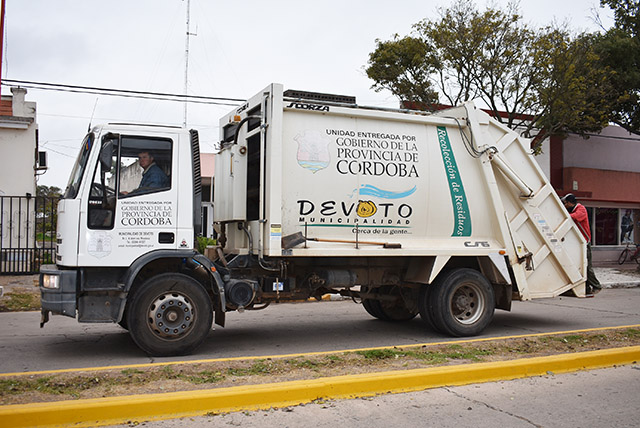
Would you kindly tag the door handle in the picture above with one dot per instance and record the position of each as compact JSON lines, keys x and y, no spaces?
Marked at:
{"x":166,"y":238}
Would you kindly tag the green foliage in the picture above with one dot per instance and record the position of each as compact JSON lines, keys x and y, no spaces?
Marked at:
{"x":575,"y":92}
{"x":204,"y":376}
{"x":260,"y":367}
{"x":480,"y":55}
{"x":619,"y":50}
{"x":304,"y":364}
{"x":403,"y":66}
{"x":53,"y":191}
{"x":626,"y":14}
{"x":46,"y":212}
{"x":378,"y":354}
{"x":131,"y":372}
{"x":545,"y":80}
{"x":168,"y":372}
{"x":334,"y":358}
{"x":48,"y":385}
{"x":204,"y":242}
{"x":16,"y":301}
{"x":632,"y":332}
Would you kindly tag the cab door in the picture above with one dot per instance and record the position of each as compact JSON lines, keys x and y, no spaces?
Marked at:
{"x":131,"y":202}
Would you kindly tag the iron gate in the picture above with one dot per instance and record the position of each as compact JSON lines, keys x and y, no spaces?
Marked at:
{"x":27,"y":233}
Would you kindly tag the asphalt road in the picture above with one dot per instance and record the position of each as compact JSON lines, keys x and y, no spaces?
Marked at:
{"x":289,"y":328}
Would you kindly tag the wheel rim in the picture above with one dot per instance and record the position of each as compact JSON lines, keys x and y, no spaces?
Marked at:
{"x":467,"y":303}
{"x":170,"y":315}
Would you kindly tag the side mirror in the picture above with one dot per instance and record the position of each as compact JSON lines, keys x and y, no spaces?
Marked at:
{"x":106,"y":153}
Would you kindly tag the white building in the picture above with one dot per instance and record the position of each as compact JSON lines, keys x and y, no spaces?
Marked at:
{"x":18,"y":145}
{"x":19,"y":166}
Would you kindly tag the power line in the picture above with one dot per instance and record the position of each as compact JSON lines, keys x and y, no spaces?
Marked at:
{"x":60,"y":153}
{"x":123,"y":92}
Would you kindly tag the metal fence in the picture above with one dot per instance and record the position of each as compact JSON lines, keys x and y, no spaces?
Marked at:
{"x":27,"y":233}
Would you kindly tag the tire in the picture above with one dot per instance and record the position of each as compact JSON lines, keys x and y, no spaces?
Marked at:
{"x":123,"y":322}
{"x":170,"y":314}
{"x":623,"y":256}
{"x":423,"y":306}
{"x":373,"y":306}
{"x":460,"y":303}
{"x":394,"y":311}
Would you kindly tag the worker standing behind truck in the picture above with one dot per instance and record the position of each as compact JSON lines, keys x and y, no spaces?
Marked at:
{"x":579,"y":215}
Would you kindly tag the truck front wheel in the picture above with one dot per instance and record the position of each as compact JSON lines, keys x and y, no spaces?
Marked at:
{"x":460,"y":303}
{"x":170,"y":314}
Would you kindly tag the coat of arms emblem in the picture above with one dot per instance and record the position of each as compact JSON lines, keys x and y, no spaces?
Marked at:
{"x":313,"y":150}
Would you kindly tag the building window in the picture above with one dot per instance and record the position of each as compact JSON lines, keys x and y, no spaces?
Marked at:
{"x":606,"y":226}
{"x":627,"y":219}
{"x":613,"y":226}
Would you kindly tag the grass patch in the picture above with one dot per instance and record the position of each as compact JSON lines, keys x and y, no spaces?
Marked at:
{"x":50,"y":385}
{"x":378,"y":354}
{"x":334,"y":358}
{"x":262,"y":367}
{"x":131,"y":372}
{"x":259,"y":368}
{"x":15,"y":301}
{"x":203,"y":377}
{"x":305,"y":364}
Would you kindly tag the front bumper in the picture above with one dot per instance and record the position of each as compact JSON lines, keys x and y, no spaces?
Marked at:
{"x":61,"y":299}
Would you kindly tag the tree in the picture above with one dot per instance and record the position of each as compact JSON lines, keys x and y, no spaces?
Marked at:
{"x":52,"y":192}
{"x":403,"y":67}
{"x":46,"y":210}
{"x":540,"y":81}
{"x":575,"y":93}
{"x":619,"y":49}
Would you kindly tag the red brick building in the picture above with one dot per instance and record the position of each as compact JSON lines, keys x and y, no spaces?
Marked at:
{"x":603,"y":172}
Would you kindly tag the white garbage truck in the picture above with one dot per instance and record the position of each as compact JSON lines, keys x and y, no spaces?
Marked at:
{"x":444,"y":215}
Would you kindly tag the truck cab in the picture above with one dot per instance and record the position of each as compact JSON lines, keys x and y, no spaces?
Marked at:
{"x":126,"y":216}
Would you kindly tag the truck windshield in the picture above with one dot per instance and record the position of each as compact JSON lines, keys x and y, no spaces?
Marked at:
{"x":79,"y":167}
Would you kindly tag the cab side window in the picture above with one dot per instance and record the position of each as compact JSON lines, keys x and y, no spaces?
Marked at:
{"x":128,"y":166}
{"x":145,"y":166}
{"x":102,"y":195}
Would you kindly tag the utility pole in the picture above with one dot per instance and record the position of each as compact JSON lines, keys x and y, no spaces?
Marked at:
{"x":2,"y":6}
{"x":186,"y":64}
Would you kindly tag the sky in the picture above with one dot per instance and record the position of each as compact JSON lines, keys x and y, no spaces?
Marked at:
{"x":236,"y":49}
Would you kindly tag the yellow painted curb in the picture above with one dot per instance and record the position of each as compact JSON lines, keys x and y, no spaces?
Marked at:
{"x":118,"y":410}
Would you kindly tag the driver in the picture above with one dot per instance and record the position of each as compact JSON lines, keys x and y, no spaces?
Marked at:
{"x":153,"y":176}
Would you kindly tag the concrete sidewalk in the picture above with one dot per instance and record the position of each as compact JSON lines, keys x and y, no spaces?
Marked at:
{"x":618,"y":276}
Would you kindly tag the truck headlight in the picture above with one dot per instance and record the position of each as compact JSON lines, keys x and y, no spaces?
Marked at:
{"x":50,"y":281}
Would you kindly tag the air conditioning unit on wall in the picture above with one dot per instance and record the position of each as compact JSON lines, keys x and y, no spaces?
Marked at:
{"x":42,"y":161}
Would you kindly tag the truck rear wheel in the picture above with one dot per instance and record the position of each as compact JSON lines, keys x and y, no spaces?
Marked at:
{"x":423,"y":305}
{"x":373,"y":308}
{"x":460,"y":303}
{"x":170,"y":314}
{"x":389,"y":310}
